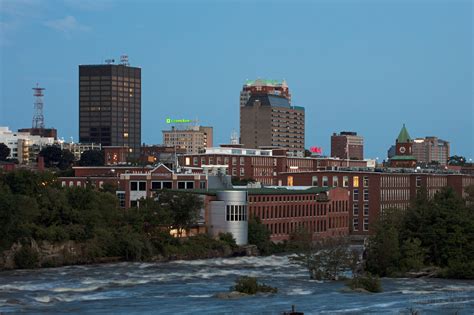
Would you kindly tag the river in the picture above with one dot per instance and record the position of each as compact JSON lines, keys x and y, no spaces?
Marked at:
{"x":188,"y":287}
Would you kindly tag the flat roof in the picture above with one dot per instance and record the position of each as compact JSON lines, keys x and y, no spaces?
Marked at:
{"x":260,"y":191}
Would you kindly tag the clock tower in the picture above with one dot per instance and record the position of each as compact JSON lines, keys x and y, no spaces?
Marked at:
{"x":403,"y":151}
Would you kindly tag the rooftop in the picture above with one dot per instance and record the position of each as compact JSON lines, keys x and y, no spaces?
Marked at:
{"x":403,"y":136}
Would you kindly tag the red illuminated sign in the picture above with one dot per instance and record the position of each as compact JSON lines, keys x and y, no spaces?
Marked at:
{"x":317,"y":150}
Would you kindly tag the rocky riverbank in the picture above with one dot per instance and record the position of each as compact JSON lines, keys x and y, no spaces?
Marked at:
{"x":43,"y":254}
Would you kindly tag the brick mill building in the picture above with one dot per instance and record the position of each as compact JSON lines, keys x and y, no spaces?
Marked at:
{"x":373,"y":192}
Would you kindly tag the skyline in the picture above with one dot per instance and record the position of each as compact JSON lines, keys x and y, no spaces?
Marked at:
{"x":418,"y":73}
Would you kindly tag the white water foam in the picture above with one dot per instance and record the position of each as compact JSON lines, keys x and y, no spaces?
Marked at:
{"x":200,"y":295}
{"x":85,"y":289}
{"x":299,"y":291}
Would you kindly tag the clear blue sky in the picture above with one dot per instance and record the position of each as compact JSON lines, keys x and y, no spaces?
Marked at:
{"x":367,"y":66}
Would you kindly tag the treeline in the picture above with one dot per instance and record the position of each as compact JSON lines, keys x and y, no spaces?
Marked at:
{"x":34,"y":206}
{"x":436,"y":232}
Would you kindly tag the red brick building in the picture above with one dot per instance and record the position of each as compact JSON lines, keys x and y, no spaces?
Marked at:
{"x":347,"y":145}
{"x":373,"y":192}
{"x":322,"y":211}
{"x":262,"y":165}
{"x":134,"y":183}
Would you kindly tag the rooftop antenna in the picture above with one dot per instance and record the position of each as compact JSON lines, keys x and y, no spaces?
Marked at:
{"x":124,"y":60}
{"x":38,"y":118}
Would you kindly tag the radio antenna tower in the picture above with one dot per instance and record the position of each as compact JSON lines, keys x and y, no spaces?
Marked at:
{"x":38,"y":118}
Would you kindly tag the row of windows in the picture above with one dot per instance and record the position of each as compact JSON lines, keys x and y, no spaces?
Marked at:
{"x":142,"y":185}
{"x":395,"y":194}
{"x":308,"y":197}
{"x":355,"y":195}
{"x":395,"y":181}
{"x":236,"y":213}
{"x":314,"y":226}
{"x":355,"y":224}
{"x":355,"y":209}
{"x":335,"y":181}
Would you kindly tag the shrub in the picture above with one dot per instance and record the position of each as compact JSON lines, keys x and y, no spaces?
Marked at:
{"x":227,"y":238}
{"x":26,"y":258}
{"x":368,"y":282}
{"x":249,"y":285}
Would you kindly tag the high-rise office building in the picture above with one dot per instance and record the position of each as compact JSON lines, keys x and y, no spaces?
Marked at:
{"x":347,"y":145}
{"x":193,"y":139}
{"x":431,"y":149}
{"x":262,"y":87}
{"x":110,"y":105}
{"x":267,"y":118}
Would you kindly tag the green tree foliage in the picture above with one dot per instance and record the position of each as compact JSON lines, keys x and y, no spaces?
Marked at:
{"x":432,"y":232}
{"x":183,"y":207}
{"x":54,"y":157}
{"x":92,"y":158}
{"x":259,"y":235}
{"x":368,"y":282}
{"x":327,"y":258}
{"x":34,"y":206}
{"x":250,"y":285}
{"x":4,"y":152}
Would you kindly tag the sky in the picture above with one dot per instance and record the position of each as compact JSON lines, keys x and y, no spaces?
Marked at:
{"x":366,"y":66}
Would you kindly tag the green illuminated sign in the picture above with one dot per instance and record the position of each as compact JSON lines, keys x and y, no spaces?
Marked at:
{"x":178,"y":121}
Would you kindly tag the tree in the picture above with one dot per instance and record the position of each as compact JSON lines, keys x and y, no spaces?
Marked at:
{"x":55,"y":157}
{"x":184,"y":208}
{"x":92,"y":158}
{"x":327,"y":259}
{"x":4,"y":152}
{"x":383,"y":252}
{"x":259,"y":235}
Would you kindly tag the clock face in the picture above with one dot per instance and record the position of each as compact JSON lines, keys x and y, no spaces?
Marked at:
{"x":402,"y":150}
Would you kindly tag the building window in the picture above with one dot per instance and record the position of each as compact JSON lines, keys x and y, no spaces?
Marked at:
{"x":366,"y":195}
{"x":211,"y":161}
{"x":142,"y":186}
{"x":195,"y":161}
{"x":355,"y":209}
{"x":335,"y":181}
{"x":121,"y":198}
{"x":188,"y":161}
{"x":366,"y":181}
{"x":234,"y":172}
{"x":345,"y":181}
{"x":242,"y":171}
{"x":418,"y":181}
{"x":315,"y":181}
{"x":242,"y":161}
{"x":236,"y":213}
{"x":155,"y":185}
{"x":226,"y":160}
{"x":78,"y":184}
{"x":355,"y":195}
{"x":202,"y":184}
{"x":134,"y":203}
{"x":203,"y":160}
{"x":355,"y":181}
{"x":290,"y":180}
{"x":189,"y":185}
{"x":63,"y":184}
{"x":325,"y":181}
{"x":218,"y":160}
{"x":234,"y":161}
{"x":366,"y":224}
{"x":366,"y":209}
{"x":355,"y":224}
{"x":133,"y":186}
{"x":167,"y":185}
{"x":181,"y":185}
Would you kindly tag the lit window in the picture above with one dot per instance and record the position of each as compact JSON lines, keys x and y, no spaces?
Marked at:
{"x":188,"y":161}
{"x":355,"y":181}
{"x":290,"y":180}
